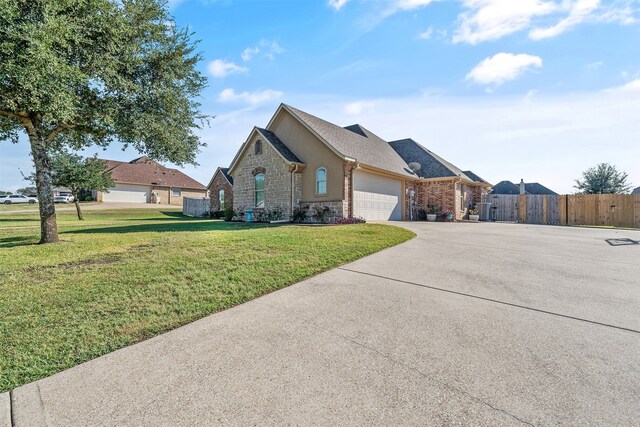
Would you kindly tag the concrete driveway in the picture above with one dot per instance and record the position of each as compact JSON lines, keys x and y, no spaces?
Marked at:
{"x":467,"y":324}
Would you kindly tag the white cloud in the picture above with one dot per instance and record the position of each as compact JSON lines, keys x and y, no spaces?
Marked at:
{"x":221,"y":68}
{"x":249,"y":52}
{"x":251,"y":98}
{"x":337,"y":4}
{"x":492,"y":19}
{"x":359,"y":107}
{"x":502,"y":67}
{"x":426,"y":35}
{"x":271,"y":48}
{"x":579,"y":11}
{"x":631,"y":86}
{"x":485,"y":20}
{"x":594,"y":65}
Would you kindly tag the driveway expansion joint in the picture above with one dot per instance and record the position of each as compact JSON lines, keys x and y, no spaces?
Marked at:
{"x":510,"y":304}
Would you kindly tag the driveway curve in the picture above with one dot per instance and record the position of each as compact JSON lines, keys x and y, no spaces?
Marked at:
{"x":471,"y":324}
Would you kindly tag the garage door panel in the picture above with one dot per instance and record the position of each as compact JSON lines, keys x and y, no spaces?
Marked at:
{"x":128,"y":194}
{"x":376,"y":197}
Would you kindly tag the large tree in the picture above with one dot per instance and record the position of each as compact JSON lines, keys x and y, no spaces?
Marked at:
{"x":76,"y":73}
{"x":76,"y":173}
{"x":603,"y":179}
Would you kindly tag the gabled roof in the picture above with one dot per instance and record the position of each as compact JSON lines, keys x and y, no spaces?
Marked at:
{"x":431,"y":165}
{"x":355,"y":143}
{"x":279,"y":145}
{"x":636,"y":191}
{"x":145,"y":171}
{"x":273,"y":140}
{"x":508,"y":187}
{"x":225,"y":173}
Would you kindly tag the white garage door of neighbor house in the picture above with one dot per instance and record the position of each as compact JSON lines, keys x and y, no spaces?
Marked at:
{"x":128,"y":193}
{"x":376,"y":197}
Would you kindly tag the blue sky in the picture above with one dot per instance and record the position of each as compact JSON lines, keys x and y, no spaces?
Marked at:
{"x":533,"y":89}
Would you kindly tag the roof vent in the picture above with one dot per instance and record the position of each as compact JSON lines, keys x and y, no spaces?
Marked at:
{"x":415,"y":166}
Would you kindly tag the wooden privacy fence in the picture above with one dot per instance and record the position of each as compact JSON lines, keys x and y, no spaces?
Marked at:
{"x":196,"y":207}
{"x":618,"y":210}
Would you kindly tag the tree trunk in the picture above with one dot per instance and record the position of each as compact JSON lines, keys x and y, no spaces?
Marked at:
{"x":75,"y":198}
{"x":48,"y":223}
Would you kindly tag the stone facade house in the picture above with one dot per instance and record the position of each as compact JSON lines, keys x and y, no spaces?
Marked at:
{"x":143,"y":180}
{"x":300,"y":159}
{"x":221,"y":190}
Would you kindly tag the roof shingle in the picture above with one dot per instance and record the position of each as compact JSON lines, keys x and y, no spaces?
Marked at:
{"x":355,"y":142}
{"x":145,"y":171}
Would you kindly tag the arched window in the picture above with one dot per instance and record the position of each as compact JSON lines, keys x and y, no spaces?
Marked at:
{"x":321,"y":181}
{"x":258,"y":147}
{"x":221,"y":198}
{"x":259,"y":191}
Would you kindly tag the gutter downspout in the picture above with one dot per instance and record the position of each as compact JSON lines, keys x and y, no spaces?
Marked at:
{"x":293,"y":188}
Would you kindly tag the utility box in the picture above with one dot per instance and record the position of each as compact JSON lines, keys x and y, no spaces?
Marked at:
{"x":484,"y":210}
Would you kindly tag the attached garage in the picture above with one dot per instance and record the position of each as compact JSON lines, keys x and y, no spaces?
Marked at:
{"x":376,"y":197}
{"x":128,"y":193}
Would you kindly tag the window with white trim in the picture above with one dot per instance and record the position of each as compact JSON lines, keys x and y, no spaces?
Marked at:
{"x":321,"y":181}
{"x":221,"y":199}
{"x":259,"y":190}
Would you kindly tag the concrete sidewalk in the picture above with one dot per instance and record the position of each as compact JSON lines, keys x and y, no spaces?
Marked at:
{"x":470,"y":324}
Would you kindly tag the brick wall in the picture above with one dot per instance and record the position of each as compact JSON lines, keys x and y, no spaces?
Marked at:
{"x":440,"y":193}
{"x":184,"y":192}
{"x":277,"y":179}
{"x":220,"y":183}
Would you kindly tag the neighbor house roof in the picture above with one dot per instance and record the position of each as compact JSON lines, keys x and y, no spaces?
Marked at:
{"x":636,"y":191}
{"x":145,"y":171}
{"x":508,"y":187}
{"x":431,"y":165}
{"x":537,"y":188}
{"x":354,"y":142}
{"x":279,"y":145}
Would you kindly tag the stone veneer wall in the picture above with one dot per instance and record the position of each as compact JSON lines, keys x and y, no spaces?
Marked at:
{"x":220,"y":183}
{"x":277,"y":179}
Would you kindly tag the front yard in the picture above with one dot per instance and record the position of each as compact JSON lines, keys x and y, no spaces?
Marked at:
{"x":123,"y":276}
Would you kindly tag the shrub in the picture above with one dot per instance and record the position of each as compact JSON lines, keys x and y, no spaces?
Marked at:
{"x":473,"y":211}
{"x":433,"y":209}
{"x":299,"y":214}
{"x":422,"y":215}
{"x":217,"y":214}
{"x":229,"y":213}
{"x":320,"y":213}
{"x":348,"y":220}
{"x":88,"y":199}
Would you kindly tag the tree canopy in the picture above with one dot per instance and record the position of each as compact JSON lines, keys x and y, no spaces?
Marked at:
{"x":76,"y":173}
{"x":603,"y":179}
{"x":76,"y":73}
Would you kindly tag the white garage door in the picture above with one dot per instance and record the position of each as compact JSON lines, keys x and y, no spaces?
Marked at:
{"x":128,"y":193}
{"x":376,"y":197}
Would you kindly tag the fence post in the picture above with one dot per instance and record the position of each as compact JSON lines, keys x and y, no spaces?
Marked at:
{"x":522,"y":209}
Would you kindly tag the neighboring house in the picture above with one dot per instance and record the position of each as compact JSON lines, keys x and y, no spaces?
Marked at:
{"x":58,"y":190}
{"x":300,"y":159}
{"x":221,"y":190}
{"x":508,"y":187}
{"x":636,"y":191}
{"x":143,"y":180}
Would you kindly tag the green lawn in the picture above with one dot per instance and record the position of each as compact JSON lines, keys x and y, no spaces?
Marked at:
{"x":34,"y":207}
{"x":123,"y":276}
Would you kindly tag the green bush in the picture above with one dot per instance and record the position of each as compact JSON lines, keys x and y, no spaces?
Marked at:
{"x":88,"y":199}
{"x":217,"y":214}
{"x":229,"y":213}
{"x":320,"y":213}
{"x":299,"y":214}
